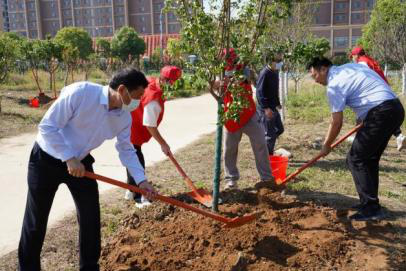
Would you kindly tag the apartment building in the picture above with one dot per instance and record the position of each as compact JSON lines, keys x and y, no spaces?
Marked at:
{"x":101,"y":18}
{"x":341,"y":22}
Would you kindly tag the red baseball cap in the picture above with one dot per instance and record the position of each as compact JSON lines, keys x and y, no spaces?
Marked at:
{"x":172,"y":73}
{"x":357,"y":51}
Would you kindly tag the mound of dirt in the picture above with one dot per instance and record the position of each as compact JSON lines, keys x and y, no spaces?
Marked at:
{"x":290,"y":235}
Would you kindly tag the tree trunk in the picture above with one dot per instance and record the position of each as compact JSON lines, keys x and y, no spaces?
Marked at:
{"x":281,"y":95}
{"x":286,"y":84}
{"x":66,"y":76}
{"x":1,"y":97}
{"x":386,"y":70}
{"x":50,"y":79}
{"x":217,"y":165}
{"x":35,"y":75}
{"x":404,"y":80}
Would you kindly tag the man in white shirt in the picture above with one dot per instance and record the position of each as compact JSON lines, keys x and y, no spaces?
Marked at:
{"x":376,"y":105}
{"x":146,"y":119}
{"x":80,"y":120}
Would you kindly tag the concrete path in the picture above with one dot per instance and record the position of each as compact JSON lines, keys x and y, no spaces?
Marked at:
{"x":185,"y":121}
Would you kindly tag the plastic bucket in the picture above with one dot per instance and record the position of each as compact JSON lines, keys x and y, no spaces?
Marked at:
{"x":34,"y":102}
{"x":279,"y":165}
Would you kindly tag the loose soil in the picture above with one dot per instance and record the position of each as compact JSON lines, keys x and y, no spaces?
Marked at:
{"x":290,"y":235}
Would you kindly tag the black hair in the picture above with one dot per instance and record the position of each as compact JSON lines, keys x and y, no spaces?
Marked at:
{"x":130,"y":78}
{"x":318,"y":62}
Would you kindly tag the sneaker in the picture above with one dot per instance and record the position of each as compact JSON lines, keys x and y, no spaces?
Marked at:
{"x":400,"y":141}
{"x":231,"y":185}
{"x":143,"y":202}
{"x":350,"y":139}
{"x":282,"y":152}
{"x":362,"y":216}
{"x":129,"y":195}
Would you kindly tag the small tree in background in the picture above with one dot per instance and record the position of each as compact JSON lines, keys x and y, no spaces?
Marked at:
{"x":34,"y":54}
{"x":127,"y":46}
{"x":9,"y":50}
{"x":52,"y":60}
{"x":76,"y":46}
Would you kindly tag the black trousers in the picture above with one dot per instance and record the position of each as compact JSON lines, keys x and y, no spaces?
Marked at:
{"x":273,"y":128}
{"x":369,"y":143}
{"x":45,"y":174}
{"x":130,"y":179}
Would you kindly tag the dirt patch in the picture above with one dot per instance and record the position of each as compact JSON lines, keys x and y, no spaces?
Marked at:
{"x":290,"y":235}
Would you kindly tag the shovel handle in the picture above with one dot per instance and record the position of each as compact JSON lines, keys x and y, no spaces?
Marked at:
{"x":315,"y":159}
{"x":182,"y":172}
{"x":167,"y":200}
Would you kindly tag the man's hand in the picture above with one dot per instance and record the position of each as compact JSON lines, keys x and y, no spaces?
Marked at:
{"x":268,"y":113}
{"x":166,"y":149}
{"x":145,"y":185}
{"x":75,"y":167}
{"x":325,"y":150}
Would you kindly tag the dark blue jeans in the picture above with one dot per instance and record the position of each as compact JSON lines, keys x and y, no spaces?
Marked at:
{"x":366,"y":150}
{"x":273,"y":128}
{"x":45,"y":174}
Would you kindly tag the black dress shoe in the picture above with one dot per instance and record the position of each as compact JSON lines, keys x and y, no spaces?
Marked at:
{"x":368,"y":216}
{"x":357,"y":207}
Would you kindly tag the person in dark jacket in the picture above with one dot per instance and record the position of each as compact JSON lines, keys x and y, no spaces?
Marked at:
{"x":268,"y":100}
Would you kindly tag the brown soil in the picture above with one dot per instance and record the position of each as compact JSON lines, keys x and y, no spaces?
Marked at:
{"x":291,"y":235}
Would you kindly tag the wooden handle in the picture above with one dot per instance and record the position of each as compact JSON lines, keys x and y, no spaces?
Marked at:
{"x":314,"y":160}
{"x":158,"y":197}
{"x":179,"y":168}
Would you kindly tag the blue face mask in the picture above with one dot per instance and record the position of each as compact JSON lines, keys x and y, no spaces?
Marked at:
{"x":279,"y":65}
{"x":134,"y":103}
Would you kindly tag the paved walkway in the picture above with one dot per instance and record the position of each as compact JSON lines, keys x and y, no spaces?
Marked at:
{"x":185,"y":121}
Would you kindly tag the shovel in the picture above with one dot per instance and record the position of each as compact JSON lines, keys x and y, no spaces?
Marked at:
{"x":198,"y":194}
{"x":229,"y":222}
{"x":315,"y":159}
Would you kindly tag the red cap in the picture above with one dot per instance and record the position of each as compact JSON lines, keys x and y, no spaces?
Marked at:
{"x":172,"y":73}
{"x":357,"y":51}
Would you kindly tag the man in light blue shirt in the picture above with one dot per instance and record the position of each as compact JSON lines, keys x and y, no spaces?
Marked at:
{"x":80,"y":120}
{"x":375,"y":104}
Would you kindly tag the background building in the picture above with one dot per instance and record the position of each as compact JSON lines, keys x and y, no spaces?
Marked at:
{"x":101,"y":18}
{"x":341,"y":21}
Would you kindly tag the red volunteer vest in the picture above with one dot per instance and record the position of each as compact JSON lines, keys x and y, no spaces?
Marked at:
{"x":139,"y":133}
{"x":372,"y":64}
{"x":245,"y":115}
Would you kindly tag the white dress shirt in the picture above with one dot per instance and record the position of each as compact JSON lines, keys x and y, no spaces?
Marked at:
{"x":151,"y":114}
{"x":358,"y":87}
{"x":80,"y":121}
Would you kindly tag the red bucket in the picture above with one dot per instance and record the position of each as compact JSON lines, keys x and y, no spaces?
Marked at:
{"x":279,"y":165}
{"x":34,"y":102}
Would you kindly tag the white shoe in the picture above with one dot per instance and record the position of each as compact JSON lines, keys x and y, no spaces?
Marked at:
{"x":350,"y":139}
{"x":129,"y":195}
{"x":400,"y":141}
{"x":144,"y":203}
{"x":231,"y":185}
{"x":282,"y":152}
